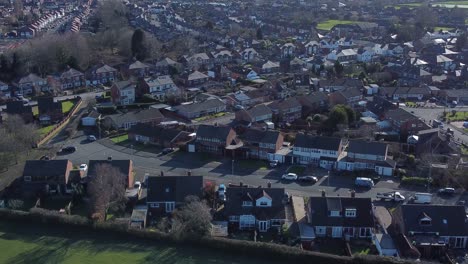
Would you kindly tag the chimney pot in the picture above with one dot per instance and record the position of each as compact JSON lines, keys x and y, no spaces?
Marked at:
{"x":353,"y":193}
{"x":109,"y":158}
{"x":323,"y":193}
{"x":241,"y":184}
{"x":269,"y":184}
{"x":162,"y":173}
{"x":189,"y":173}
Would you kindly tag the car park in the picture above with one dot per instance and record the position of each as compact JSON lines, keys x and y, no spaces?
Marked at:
{"x":308,"y":179}
{"x":289,"y":177}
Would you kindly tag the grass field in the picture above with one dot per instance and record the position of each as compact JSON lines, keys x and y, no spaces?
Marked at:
{"x":442,"y":28}
{"x":66,"y":106}
{"x":459,"y":116}
{"x":27,"y":243}
{"x":119,"y":139}
{"x":328,"y":24}
{"x":44,"y":130}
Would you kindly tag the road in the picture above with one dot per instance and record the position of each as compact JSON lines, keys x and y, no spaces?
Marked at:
{"x":435,"y":113}
{"x":220,"y":170}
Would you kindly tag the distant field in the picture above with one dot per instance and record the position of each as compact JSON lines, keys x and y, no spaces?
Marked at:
{"x":329,"y":24}
{"x":442,"y":28}
{"x":29,"y":243}
{"x":448,"y":4}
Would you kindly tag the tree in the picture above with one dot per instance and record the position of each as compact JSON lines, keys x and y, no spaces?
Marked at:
{"x":191,"y":220}
{"x":106,"y":190}
{"x":338,"y":68}
{"x":138,"y":44}
{"x":461,"y":41}
{"x":338,"y":115}
{"x":259,"y":33}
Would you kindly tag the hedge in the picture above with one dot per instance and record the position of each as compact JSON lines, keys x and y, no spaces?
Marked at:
{"x":255,"y":249}
{"x":415,"y":181}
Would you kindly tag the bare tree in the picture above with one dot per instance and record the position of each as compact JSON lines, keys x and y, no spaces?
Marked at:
{"x":191,"y":220}
{"x":106,"y":190}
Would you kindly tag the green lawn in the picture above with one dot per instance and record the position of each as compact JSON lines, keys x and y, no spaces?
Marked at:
{"x":202,"y":118}
{"x":44,"y":130}
{"x":35,"y":110}
{"x":29,"y":243}
{"x":410,"y":104}
{"x":119,"y":139}
{"x":436,"y":29}
{"x":251,"y":164}
{"x":299,"y":170}
{"x":67,"y":106}
{"x":329,"y":24}
{"x":459,"y":116}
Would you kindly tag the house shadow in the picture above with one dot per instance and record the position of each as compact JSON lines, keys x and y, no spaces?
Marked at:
{"x":187,"y":160}
{"x":226,"y":169}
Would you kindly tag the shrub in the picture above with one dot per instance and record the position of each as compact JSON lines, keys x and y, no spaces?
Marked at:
{"x":420,"y":181}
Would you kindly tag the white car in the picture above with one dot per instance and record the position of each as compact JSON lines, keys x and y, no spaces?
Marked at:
{"x":289,"y":176}
{"x":137,"y":185}
{"x":83,"y":167}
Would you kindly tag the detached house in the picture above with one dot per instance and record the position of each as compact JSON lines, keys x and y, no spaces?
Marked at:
{"x":341,"y":217}
{"x":47,"y":176}
{"x":214,"y":139}
{"x":366,"y":155}
{"x":72,"y":79}
{"x":127,"y":120}
{"x":160,"y":136}
{"x":138,"y":69}
{"x":159,"y":87}
{"x":196,"y":78}
{"x":32,"y":84}
{"x":259,"y":143}
{"x":166,"y":193}
{"x":49,"y":111}
{"x":256,"y":208}
{"x":123,"y":93}
{"x":317,"y":150}
{"x":101,"y":74}
{"x":404,"y":122}
{"x":432,"y":228}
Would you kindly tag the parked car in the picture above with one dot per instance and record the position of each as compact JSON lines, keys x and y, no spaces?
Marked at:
{"x":137,"y":185}
{"x":391,"y":196}
{"x":91,"y":138}
{"x":364,"y":182}
{"x":422,"y":198}
{"x":274,"y":163}
{"x":45,"y":157}
{"x":83,"y":167}
{"x":308,"y":179}
{"x":289,"y":177}
{"x":222,"y":192}
{"x":446,"y":191}
{"x":69,"y":149}
{"x":167,"y":150}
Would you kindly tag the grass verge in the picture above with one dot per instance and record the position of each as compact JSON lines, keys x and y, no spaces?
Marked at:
{"x":119,"y":139}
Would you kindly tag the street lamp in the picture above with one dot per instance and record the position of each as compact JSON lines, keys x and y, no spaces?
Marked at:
{"x":328,"y":178}
{"x":232,"y":168}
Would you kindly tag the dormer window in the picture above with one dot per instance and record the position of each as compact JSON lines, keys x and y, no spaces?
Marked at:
{"x":335,"y":213}
{"x":263,"y":204}
{"x":350,"y":212}
{"x":247,"y":203}
{"x":426,"y":221}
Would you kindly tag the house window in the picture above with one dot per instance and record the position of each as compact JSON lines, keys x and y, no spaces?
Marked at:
{"x":247,"y":203}
{"x":170,"y":206}
{"x":263,"y":204}
{"x":234,"y":218}
{"x":276,"y":222}
{"x":168,"y":190}
{"x":425,"y":222}
{"x":335,"y":213}
{"x":348,"y":231}
{"x":27,"y":178}
{"x":350,"y":212}
{"x":320,"y":230}
{"x":364,"y":232}
{"x":155,"y":205}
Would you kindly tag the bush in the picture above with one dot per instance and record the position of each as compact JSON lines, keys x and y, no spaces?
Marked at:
{"x":420,"y":181}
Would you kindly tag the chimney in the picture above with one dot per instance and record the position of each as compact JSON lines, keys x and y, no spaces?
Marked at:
{"x":189,"y":173}
{"x":353,"y":193}
{"x":323,"y":193}
{"x":162,"y":173}
{"x":269,"y":184}
{"x":109,"y":158}
{"x":241,"y":184}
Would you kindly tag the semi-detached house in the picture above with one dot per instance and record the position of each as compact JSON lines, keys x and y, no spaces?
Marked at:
{"x":317,"y":150}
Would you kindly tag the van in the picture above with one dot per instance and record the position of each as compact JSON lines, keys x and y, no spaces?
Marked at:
{"x":422,"y":198}
{"x":364,"y":182}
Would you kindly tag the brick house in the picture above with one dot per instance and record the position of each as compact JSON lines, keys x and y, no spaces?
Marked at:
{"x":259,"y":143}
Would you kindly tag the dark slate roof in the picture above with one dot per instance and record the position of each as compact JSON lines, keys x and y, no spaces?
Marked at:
{"x":316,"y":97}
{"x":136,"y":116}
{"x":47,"y":104}
{"x":259,"y":110}
{"x":200,"y":106}
{"x":148,"y":130}
{"x":208,"y":131}
{"x":50,"y":168}
{"x":260,"y":136}
{"x":236,"y":195}
{"x":124,"y":85}
{"x":319,"y":208}
{"x":454,"y":215}
{"x":173,"y":188}
{"x":350,"y":92}
{"x":285,"y":104}
{"x":70,"y":73}
{"x":17,"y":107}
{"x":317,"y":142}
{"x":122,"y":165}
{"x":367,"y":147}
{"x":400,"y":115}
{"x":379,"y":105}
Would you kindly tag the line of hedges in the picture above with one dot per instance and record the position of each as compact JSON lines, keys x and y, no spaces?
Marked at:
{"x":247,"y":248}
{"x":419,"y":181}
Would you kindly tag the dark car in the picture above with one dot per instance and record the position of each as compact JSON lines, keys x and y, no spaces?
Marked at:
{"x":167,"y":150}
{"x":69,"y":149}
{"x":308,"y":179}
{"x":446,"y":191}
{"x":45,"y":157}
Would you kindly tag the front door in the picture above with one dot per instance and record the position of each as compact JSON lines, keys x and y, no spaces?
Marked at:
{"x":263,"y":226}
{"x":336,"y":232}
{"x":170,"y":207}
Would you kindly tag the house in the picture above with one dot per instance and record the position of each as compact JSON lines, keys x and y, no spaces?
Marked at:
{"x":166,"y":193}
{"x":346,"y":55}
{"x":312,"y":47}
{"x":138,"y":69}
{"x":46,"y":176}
{"x":432,"y":228}
{"x":18,"y":108}
{"x":49,"y":111}
{"x":348,"y":96}
{"x":259,"y":143}
{"x":71,"y":79}
{"x":248,"y":54}
{"x":91,"y":119}
{"x":314,"y":102}
{"x":341,"y":217}
{"x":166,"y":65}
{"x":198,"y":109}
{"x":331,"y":85}
{"x":460,"y":96}
{"x":287,"y":50}
{"x":4,"y":87}
{"x":256,"y":208}
{"x":160,"y":87}
{"x":32,"y":84}
{"x":404,"y":122}
{"x":247,"y":98}
{"x":258,"y":113}
{"x":286,"y":111}
{"x":156,"y":135}
{"x":125,"y":167}
{"x":215,"y":139}
{"x":270,"y":67}
{"x":198,"y":60}
{"x":317,"y":150}
{"x":196,"y":78}
{"x":127,"y":120}
{"x":101,"y":74}
{"x":366,"y":155}
{"x":123,"y":92}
